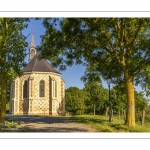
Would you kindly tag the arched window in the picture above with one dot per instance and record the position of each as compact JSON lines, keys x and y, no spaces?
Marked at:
{"x":25,"y":89}
{"x":41,"y":88}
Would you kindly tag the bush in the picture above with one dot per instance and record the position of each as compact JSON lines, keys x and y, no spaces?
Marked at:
{"x":79,"y":111}
{"x":67,"y":113}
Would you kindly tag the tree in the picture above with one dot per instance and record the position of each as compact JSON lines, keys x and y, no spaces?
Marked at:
{"x":12,"y":54}
{"x":75,"y":100}
{"x":141,"y":103}
{"x":118,"y":96}
{"x":97,"y":96}
{"x":116,"y":47}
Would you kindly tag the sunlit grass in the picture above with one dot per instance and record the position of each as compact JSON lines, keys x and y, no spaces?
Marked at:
{"x":101,"y":124}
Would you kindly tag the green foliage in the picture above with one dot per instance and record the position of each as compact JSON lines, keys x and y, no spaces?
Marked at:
{"x":104,"y":45}
{"x":12,"y":53}
{"x":97,"y":96}
{"x":13,"y":44}
{"x":141,"y":103}
{"x":118,"y":97}
{"x":81,"y":101}
{"x":75,"y":100}
{"x":116,"y":47}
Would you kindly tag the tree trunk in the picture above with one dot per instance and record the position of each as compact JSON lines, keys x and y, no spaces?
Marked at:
{"x":3,"y":99}
{"x":122,"y":112}
{"x":119,"y":113}
{"x":94,"y":108}
{"x":110,"y":115}
{"x":143,"y":117}
{"x":3,"y":81}
{"x":106,"y":112}
{"x":130,"y":114}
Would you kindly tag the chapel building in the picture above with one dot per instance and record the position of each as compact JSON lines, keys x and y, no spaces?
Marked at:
{"x":40,"y":90}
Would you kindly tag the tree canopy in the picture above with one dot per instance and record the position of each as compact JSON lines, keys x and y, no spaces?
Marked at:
{"x":75,"y":100}
{"x":12,"y":53}
{"x":97,"y":97}
{"x":116,"y":47}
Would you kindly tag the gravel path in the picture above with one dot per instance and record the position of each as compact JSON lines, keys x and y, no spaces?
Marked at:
{"x":49,"y":124}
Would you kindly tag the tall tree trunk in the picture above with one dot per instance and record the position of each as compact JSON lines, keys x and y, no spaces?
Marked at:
{"x":110,"y":115}
{"x":130,"y":114}
{"x":122,"y":112}
{"x":3,"y":98}
{"x":143,"y":117}
{"x":3,"y":73}
{"x":94,"y":108}
{"x":118,"y":113}
{"x":106,"y":112}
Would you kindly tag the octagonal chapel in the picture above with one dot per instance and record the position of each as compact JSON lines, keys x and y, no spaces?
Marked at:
{"x":40,"y":90}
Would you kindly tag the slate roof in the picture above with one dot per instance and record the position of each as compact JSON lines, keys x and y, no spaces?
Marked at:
{"x":39,"y":65}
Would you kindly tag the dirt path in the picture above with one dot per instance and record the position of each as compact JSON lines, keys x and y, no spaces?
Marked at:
{"x":49,"y":124}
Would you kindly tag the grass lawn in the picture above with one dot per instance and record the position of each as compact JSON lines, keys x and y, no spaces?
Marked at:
{"x":101,"y":124}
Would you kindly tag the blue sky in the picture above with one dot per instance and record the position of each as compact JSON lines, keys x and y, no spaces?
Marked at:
{"x":71,"y":75}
